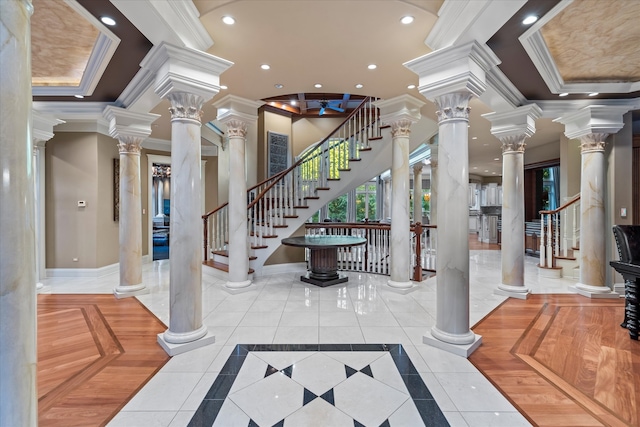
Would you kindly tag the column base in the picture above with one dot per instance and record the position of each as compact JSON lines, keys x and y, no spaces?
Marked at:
{"x":40,"y":285}
{"x":511,"y":291}
{"x":130,"y":291}
{"x":590,"y":291}
{"x":238,"y":285}
{"x":402,"y":290}
{"x":173,"y":349}
{"x":463,"y":350}
{"x":400,"y":285}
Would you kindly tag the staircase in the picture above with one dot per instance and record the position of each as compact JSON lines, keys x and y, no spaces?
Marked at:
{"x":356,"y":151}
{"x":559,"y":241}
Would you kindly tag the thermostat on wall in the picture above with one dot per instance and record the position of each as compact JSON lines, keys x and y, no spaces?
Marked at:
{"x":82,"y":203}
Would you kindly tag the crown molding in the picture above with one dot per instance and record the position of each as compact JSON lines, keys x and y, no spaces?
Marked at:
{"x":123,"y":123}
{"x":555,"y":109}
{"x":593,"y":119}
{"x":139,"y":94}
{"x":542,"y":59}
{"x":403,"y":107}
{"x":101,"y":55}
{"x":519,"y":121}
{"x":233,"y":107}
{"x":460,"y":22}
{"x":501,"y":94}
{"x":176,"y":22}
{"x":43,"y":126}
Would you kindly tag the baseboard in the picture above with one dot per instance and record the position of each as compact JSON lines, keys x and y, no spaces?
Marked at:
{"x":83,"y":272}
{"x":619,"y":288}
{"x":293,"y":267}
{"x":146,"y":259}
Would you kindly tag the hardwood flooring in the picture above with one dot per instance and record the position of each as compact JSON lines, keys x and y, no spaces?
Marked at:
{"x":563,"y":360}
{"x":94,"y":353}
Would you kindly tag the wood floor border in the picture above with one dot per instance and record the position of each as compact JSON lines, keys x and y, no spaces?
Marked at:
{"x":91,"y":365}
{"x":517,"y":330}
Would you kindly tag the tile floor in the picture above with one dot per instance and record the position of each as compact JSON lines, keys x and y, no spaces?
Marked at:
{"x":279,"y":309}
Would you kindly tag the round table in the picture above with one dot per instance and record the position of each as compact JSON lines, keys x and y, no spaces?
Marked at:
{"x":324,"y":256}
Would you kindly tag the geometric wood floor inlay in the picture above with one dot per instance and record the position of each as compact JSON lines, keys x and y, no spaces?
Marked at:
{"x":562,"y":360}
{"x":94,"y":353}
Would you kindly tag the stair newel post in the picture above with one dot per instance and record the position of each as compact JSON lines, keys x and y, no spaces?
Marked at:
{"x":205,"y":231}
{"x":543,"y":257}
{"x":549,"y":250}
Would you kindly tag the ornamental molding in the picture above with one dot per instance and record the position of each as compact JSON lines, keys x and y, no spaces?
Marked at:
{"x":236,"y":129}
{"x":453,"y":106}
{"x":130,"y":145}
{"x":185,"y":106}
{"x":593,"y":142}
{"x":400,"y":128}
{"x":513,"y":143}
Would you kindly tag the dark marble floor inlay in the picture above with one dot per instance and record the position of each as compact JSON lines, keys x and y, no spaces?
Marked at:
{"x":212,"y":404}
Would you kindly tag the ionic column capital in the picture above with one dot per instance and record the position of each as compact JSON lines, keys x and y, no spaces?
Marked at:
{"x":593,"y":142}
{"x":513,"y":143}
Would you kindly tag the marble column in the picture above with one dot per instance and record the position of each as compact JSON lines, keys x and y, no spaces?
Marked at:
{"x":187,"y":78}
{"x":433,"y":185}
{"x":593,"y":124}
{"x":386,"y":193}
{"x":19,"y":402}
{"x":400,"y":113}
{"x":239,"y":115}
{"x":417,"y":193}
{"x":238,"y":236}
{"x":130,"y":129}
{"x":450,"y":77}
{"x":512,"y":128}
{"x":592,"y":221}
{"x":42,"y":131}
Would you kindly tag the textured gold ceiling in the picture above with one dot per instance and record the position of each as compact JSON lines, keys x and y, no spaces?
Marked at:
{"x":596,"y":41}
{"x":61,"y":44}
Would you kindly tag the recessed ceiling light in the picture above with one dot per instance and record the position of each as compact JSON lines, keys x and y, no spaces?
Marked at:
{"x":372,"y":66}
{"x":475,"y":167}
{"x":530,"y":19}
{"x":407,"y":20}
{"x":317,"y":85}
{"x":106,"y":20}
{"x":228,"y":20}
{"x":486,"y":170}
{"x":411,"y":87}
{"x":79,"y":96}
{"x":294,"y":102}
{"x":475,"y":137}
{"x":564,"y":94}
{"x":359,"y":86}
{"x":485,"y":144}
{"x":493,"y":173}
{"x":497,"y":158}
{"x":278,"y":86}
{"x":265,"y":66}
{"x":594,"y":94}
{"x":223,"y":87}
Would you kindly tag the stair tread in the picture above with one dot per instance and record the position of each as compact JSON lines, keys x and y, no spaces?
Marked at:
{"x":221,"y":266}
{"x":226,"y":254}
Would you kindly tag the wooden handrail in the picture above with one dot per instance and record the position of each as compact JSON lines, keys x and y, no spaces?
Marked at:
{"x":302,"y":159}
{"x":569,"y":203}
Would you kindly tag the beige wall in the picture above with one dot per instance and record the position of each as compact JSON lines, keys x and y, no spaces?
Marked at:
{"x":570,"y":167}
{"x":107,"y":250}
{"x":71,"y":165}
{"x":542,"y":153}
{"x":310,"y":131}
{"x":287,"y":254}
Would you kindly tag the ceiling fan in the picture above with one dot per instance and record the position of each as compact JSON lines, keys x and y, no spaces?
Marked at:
{"x":333,"y":105}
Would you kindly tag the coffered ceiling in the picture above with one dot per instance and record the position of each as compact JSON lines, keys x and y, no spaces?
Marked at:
{"x":576,"y":46}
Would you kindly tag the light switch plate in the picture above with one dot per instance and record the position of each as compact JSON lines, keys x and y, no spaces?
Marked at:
{"x":82,"y":203}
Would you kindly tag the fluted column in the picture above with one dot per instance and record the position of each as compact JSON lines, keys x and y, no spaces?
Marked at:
{"x":593,"y":124}
{"x":450,"y":77}
{"x":19,"y":402}
{"x":238,"y":242}
{"x":187,"y":78}
{"x":512,"y":128}
{"x":417,"y":193}
{"x":400,"y":113}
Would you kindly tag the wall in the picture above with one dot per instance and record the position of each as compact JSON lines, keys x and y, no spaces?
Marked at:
{"x":287,"y":254}
{"x":71,"y":165}
{"x":570,"y":167}
{"x":618,"y":190}
{"x":107,"y":250}
{"x":268,"y":121}
{"x":542,"y":153}
{"x":309,"y":131}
